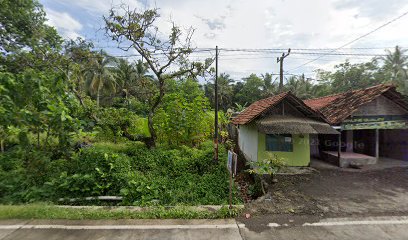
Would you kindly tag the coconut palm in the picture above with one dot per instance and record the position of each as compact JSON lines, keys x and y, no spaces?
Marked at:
{"x":125,"y":74}
{"x":225,"y":91}
{"x":396,"y":63}
{"x":100,"y":76}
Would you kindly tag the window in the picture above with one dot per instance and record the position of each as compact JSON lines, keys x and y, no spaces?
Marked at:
{"x":279,"y":143}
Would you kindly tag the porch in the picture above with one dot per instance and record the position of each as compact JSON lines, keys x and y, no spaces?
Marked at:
{"x":348,"y":159}
{"x":381,"y":164}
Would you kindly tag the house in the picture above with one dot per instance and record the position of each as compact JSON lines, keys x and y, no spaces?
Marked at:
{"x":281,"y":124}
{"x":373,"y":123}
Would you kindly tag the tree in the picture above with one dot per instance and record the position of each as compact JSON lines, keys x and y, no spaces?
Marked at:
{"x":183,"y":117}
{"x":251,"y":91}
{"x":100,"y":76}
{"x":396,"y":64}
{"x":25,"y":39}
{"x":166,"y":57}
{"x":225,"y":91}
{"x":125,"y":74}
{"x":300,"y":86}
{"x":270,"y":87}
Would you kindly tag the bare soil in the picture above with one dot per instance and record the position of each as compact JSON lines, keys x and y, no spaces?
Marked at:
{"x":331,"y":193}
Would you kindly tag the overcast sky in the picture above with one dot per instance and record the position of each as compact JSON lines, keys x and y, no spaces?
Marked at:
{"x":255,"y":24}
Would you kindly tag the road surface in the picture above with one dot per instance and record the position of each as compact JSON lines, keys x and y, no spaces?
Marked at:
{"x":327,"y":229}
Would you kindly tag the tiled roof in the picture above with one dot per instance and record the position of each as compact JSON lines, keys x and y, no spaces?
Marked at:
{"x":257,"y":108}
{"x":319,"y":103}
{"x":337,"y":108}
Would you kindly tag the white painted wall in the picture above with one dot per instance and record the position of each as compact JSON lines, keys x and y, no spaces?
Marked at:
{"x":248,"y":141}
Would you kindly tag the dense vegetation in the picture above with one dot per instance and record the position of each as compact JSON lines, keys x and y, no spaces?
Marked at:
{"x":76,"y":122}
{"x":392,"y":69}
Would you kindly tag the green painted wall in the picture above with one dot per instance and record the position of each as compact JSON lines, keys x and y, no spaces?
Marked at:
{"x":300,"y":155}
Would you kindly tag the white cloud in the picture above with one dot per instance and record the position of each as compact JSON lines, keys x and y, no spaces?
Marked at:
{"x":100,"y":7}
{"x":66,"y":25}
{"x":272,"y":24}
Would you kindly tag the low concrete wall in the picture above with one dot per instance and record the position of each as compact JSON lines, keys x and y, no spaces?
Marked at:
{"x":348,"y":159}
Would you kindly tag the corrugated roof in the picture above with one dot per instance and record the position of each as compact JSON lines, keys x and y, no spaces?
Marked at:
{"x":336,"y":108}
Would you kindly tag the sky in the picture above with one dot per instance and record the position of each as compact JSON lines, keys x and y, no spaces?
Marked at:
{"x":255,"y":24}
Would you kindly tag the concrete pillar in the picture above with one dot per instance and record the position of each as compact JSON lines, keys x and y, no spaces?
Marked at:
{"x":377,"y":143}
{"x":350,"y":140}
{"x":339,"y":147}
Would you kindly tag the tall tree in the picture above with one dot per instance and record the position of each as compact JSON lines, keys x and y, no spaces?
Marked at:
{"x":396,"y":64}
{"x":165,"y":56}
{"x":100,"y":75}
{"x":125,"y":74}
{"x":25,"y":39}
{"x":251,"y":91}
{"x":225,"y":91}
{"x":270,"y":86}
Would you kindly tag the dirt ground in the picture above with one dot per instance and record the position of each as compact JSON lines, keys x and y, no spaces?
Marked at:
{"x":332,"y":193}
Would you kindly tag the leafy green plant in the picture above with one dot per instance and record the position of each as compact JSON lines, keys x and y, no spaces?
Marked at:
{"x":266,"y":166}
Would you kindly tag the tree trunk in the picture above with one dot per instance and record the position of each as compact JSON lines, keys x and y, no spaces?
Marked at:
{"x":97,"y":97}
{"x":151,"y":141}
{"x":2,"y":145}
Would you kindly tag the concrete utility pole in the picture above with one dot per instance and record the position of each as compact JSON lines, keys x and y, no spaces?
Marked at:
{"x":216,"y":107}
{"x":280,"y":60}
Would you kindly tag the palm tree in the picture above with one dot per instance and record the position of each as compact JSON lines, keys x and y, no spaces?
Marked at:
{"x":125,"y":74}
{"x":225,"y":91}
{"x":300,"y":86}
{"x":100,"y":76}
{"x":396,"y":63}
{"x":270,"y":87}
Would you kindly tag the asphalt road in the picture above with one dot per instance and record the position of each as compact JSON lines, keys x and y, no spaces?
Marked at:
{"x":327,"y":229}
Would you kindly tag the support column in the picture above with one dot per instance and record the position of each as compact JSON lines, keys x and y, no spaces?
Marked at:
{"x":339,"y":147}
{"x":377,"y":143}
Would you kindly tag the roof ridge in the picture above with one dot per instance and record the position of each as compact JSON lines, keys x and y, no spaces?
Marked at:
{"x":331,"y":95}
{"x":352,"y":90}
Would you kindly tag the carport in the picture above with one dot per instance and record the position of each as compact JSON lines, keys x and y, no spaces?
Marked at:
{"x":373,"y":123}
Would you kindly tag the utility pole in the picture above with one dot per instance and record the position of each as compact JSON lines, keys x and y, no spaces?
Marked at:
{"x":280,"y":60}
{"x":216,"y":107}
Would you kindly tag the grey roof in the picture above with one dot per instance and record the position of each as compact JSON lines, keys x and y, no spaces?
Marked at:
{"x":278,"y":124}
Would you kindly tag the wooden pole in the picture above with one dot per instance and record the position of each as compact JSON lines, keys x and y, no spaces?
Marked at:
{"x":216,"y":107}
{"x":280,"y":60}
{"x":230,"y":190}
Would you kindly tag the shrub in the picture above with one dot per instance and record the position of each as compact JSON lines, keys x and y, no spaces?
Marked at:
{"x":143,"y":177}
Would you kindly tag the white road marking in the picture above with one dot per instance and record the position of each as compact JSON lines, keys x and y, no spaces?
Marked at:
{"x":274,"y":225}
{"x":362,"y":222}
{"x":119,"y":227}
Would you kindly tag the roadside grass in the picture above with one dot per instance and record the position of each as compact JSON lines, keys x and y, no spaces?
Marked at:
{"x":45,"y":211}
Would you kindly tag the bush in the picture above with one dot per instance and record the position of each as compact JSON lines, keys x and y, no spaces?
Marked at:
{"x":143,"y":177}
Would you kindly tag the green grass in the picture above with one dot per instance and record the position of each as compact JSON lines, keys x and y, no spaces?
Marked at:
{"x":44,"y":211}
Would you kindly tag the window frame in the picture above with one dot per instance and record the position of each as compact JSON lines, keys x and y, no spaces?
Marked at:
{"x":280,"y":145}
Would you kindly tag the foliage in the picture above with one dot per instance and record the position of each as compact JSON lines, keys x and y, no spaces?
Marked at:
{"x":115,"y":122}
{"x":184,"y":117}
{"x":143,"y":177}
{"x":25,"y":39}
{"x":99,"y":76}
{"x":37,"y":103}
{"x":139,"y":29}
{"x":267,"y":166}
{"x":46,"y":211}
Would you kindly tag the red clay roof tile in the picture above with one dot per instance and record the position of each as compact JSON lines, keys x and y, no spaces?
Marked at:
{"x":336,"y":108}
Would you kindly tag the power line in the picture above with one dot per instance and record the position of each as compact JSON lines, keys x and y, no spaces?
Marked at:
{"x":356,"y":39}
